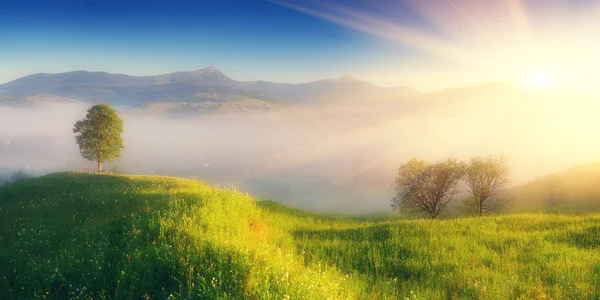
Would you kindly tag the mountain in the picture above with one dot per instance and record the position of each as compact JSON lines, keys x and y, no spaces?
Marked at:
{"x":203,"y":85}
{"x":118,"y":89}
{"x":346,"y":89}
{"x":575,"y":189}
{"x":210,"y":76}
{"x":37,"y":83}
{"x":212,"y":87}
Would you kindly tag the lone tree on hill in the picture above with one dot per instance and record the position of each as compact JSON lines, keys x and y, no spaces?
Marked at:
{"x":99,"y":134}
{"x":486,"y":180}
{"x":427,"y":188}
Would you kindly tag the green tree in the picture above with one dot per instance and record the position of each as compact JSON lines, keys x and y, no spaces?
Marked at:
{"x":486,"y":180}
{"x":99,"y":134}
{"x":427,"y":188}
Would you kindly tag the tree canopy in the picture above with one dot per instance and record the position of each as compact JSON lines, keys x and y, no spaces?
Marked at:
{"x":99,"y":134}
{"x":427,"y":188}
{"x":486,"y":180}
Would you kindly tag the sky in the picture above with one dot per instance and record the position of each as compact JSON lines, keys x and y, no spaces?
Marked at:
{"x":427,"y":45}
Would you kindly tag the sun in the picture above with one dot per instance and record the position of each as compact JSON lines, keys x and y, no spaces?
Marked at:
{"x":538,"y":79}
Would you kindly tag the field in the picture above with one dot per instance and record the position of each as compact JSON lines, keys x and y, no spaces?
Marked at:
{"x":136,"y":237}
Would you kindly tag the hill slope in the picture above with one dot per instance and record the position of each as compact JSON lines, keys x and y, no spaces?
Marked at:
{"x":574,"y":190}
{"x":67,"y":235}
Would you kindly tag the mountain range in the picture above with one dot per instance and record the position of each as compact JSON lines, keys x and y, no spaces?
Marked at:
{"x":203,"y":85}
{"x":210,"y":91}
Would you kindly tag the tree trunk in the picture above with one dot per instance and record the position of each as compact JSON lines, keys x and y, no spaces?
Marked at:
{"x":100,"y":167}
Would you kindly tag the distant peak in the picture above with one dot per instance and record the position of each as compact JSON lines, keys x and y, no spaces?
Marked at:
{"x":207,"y":70}
{"x":348,"y":77}
{"x":207,"y":75}
{"x":345,"y":78}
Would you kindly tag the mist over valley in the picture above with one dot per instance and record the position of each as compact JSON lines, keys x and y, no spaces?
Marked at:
{"x":332,"y":145}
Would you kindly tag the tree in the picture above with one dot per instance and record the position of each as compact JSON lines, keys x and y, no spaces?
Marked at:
{"x":20,"y":175}
{"x":99,"y":134}
{"x":427,"y":188}
{"x":486,"y":180}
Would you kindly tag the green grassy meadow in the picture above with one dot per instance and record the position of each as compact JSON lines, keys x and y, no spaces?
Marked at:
{"x":71,"y":236}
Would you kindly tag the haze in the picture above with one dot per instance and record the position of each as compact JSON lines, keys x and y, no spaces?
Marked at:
{"x":334,"y":158}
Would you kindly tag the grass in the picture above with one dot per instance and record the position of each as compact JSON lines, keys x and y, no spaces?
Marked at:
{"x":131,"y":237}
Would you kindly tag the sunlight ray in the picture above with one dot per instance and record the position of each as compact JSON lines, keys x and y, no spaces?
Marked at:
{"x":499,"y":38}
{"x":521,"y":22}
{"x":388,"y":30}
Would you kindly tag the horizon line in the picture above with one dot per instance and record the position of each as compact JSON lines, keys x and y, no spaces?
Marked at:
{"x":276,"y":82}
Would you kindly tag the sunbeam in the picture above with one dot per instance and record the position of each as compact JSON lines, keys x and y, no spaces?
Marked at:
{"x":503,"y":39}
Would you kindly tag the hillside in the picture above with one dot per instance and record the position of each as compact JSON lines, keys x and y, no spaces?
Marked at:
{"x":233,"y":104}
{"x":91,"y":236}
{"x":574,"y":190}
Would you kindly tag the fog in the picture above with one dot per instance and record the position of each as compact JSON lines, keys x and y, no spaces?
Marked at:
{"x":338,"y":159}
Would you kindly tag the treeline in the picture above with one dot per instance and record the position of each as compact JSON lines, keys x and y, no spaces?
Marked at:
{"x":16,"y":177}
{"x":429,"y":189}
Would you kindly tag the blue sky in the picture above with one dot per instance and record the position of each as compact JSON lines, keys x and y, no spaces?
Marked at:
{"x":246,"y":39}
{"x":424,"y":44}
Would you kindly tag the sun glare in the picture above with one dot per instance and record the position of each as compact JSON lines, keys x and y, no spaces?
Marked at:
{"x":538,"y":80}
